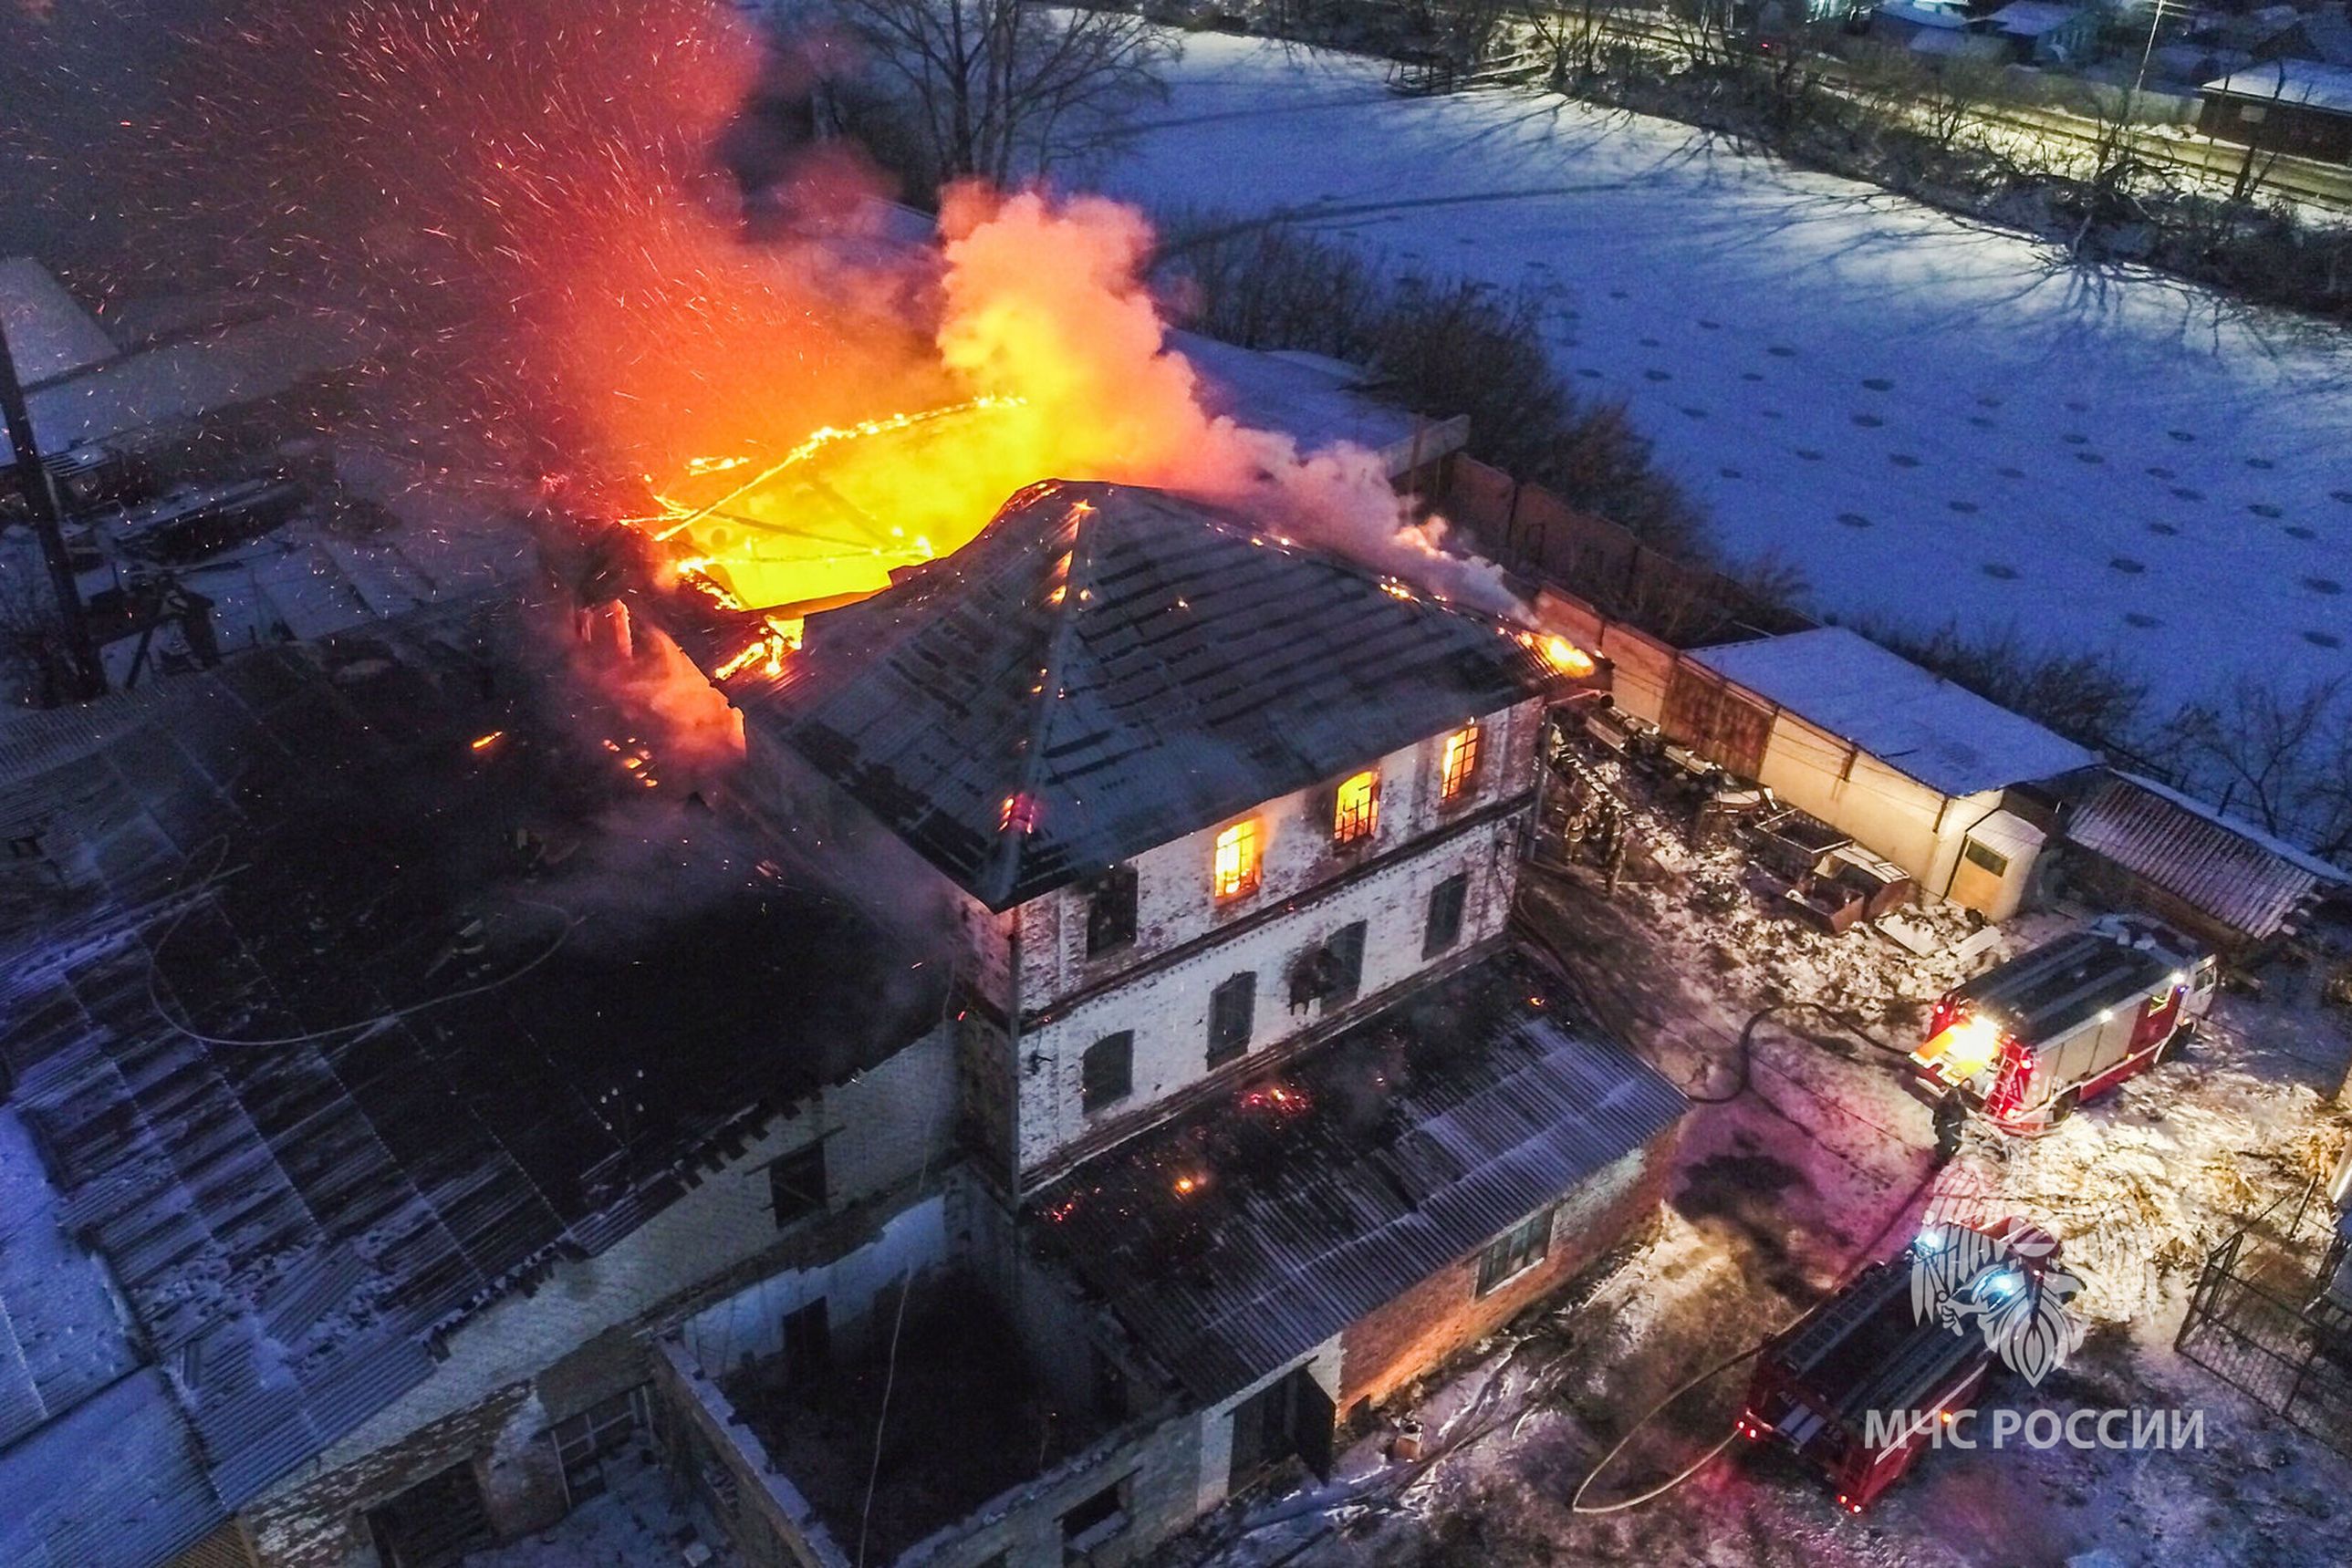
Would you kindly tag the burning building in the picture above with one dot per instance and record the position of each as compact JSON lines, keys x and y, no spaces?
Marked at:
{"x":1263,"y":1114}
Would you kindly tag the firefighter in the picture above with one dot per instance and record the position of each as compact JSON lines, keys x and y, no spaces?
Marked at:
{"x":1951,"y":1115}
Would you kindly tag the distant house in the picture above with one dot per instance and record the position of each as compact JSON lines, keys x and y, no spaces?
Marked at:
{"x":2298,"y":107}
{"x":2045,"y":33}
{"x":1932,"y":28}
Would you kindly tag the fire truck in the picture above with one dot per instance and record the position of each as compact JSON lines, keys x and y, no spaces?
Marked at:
{"x":2031,"y":1039}
{"x":1872,"y":1351}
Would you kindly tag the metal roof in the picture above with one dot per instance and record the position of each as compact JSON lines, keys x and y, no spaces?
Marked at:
{"x":2233,"y":872}
{"x":1107,"y":668}
{"x":2306,"y":84}
{"x":1922,"y":726}
{"x":1389,"y":1153}
{"x":304,"y":1115}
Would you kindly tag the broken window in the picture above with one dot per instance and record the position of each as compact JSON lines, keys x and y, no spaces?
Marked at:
{"x":585,"y":1443}
{"x":1458,"y":768}
{"x":1447,"y":900}
{"x":796,"y":1184}
{"x":434,"y":1523}
{"x":1106,"y":1071}
{"x":1111,"y":912}
{"x":1233,"y":1012}
{"x":1234,"y":872}
{"x":1358,"y":809}
{"x":1097,"y":1519}
{"x":1346,"y":966}
{"x":1515,"y":1251}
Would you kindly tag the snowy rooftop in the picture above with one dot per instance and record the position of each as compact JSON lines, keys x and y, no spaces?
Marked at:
{"x":1944,"y":735}
{"x":49,"y":333}
{"x":331,"y":1026}
{"x":1315,"y":1195}
{"x":1316,"y":400}
{"x":2235,"y":872}
{"x":2031,"y":18}
{"x":1133,"y":667}
{"x":2311,"y":83}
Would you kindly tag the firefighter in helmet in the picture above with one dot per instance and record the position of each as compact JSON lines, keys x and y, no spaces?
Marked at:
{"x":1951,"y":1115}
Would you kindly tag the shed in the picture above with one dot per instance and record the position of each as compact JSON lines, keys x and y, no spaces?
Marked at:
{"x":2044,"y":32}
{"x":1906,"y":761}
{"x":2298,"y":107}
{"x":2142,"y":843}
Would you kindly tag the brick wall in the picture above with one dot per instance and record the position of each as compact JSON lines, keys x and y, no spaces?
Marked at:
{"x":1442,"y":1315}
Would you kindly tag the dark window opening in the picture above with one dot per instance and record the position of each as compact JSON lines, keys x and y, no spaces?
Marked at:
{"x":1447,"y":900}
{"x":1233,"y":1012}
{"x":586,"y":1443}
{"x":796,"y":1184}
{"x":1097,"y":1519}
{"x":26,"y":847}
{"x":1111,"y":912}
{"x":1346,"y":951}
{"x":433,"y":1524}
{"x":1290,"y":1417}
{"x":1990,"y":858}
{"x":808,"y":1343}
{"x":1106,"y":1071}
{"x":1515,"y":1251}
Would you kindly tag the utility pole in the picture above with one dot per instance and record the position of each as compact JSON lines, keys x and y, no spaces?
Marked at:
{"x":32,"y":476}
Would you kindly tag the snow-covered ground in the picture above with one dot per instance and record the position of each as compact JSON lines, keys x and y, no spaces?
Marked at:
{"x":1931,"y":419}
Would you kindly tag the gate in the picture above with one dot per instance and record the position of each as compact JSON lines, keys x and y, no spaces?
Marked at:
{"x":2264,"y":1320}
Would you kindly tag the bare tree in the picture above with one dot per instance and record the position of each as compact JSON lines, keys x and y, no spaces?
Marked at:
{"x":2279,"y":755}
{"x":1954,"y":94}
{"x":1000,"y":89}
{"x":1570,"y":35}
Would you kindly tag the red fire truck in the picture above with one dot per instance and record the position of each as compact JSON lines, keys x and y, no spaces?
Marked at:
{"x":2031,"y":1039}
{"x":1858,"y":1386}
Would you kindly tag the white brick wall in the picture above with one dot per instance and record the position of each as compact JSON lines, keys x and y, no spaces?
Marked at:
{"x":881,"y":1125}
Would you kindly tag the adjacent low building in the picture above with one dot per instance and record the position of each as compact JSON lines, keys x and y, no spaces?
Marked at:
{"x":2299,"y":106}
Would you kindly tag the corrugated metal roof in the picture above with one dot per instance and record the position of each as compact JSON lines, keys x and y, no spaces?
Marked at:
{"x":216,"y":1004}
{"x":2233,"y":872}
{"x":1399,"y":1148}
{"x":1129,"y":666}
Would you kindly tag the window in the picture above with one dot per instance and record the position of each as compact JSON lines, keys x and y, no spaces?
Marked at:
{"x":2252,"y":113}
{"x":1990,"y":860}
{"x":1233,"y":1008}
{"x":1458,"y":769}
{"x":1106,"y":1071}
{"x":796,"y":1184}
{"x":1346,"y":950}
{"x":808,"y":1342}
{"x":1445,"y":903}
{"x":1515,"y":1252}
{"x":587,"y":1440}
{"x":1235,"y":870}
{"x":25,"y":848}
{"x":1097,"y":1519}
{"x":1111,"y":913}
{"x":1358,"y":809}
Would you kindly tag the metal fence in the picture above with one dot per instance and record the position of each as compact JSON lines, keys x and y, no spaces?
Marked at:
{"x":2261,"y":1319}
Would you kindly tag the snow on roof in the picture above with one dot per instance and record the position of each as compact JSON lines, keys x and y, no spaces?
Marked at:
{"x":1132,"y":666}
{"x":2247,"y":879}
{"x":2313,"y":84}
{"x":1951,"y":18}
{"x":1316,"y":400}
{"x":2031,"y":18}
{"x":219,"y":974}
{"x":50,"y":334}
{"x":1944,"y":735}
{"x":2010,"y":834}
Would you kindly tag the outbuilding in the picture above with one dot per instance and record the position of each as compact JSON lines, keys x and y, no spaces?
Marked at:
{"x":2298,"y":107}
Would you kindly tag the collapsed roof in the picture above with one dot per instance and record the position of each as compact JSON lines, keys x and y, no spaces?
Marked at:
{"x":1106,"y":668}
{"x":1253,"y":1229}
{"x":340,"y":992}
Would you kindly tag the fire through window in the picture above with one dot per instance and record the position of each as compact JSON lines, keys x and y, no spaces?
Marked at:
{"x":1358,"y":810}
{"x":1459,"y":768}
{"x":1235,"y":869}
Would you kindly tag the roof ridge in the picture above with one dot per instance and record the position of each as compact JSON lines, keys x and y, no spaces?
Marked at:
{"x":1018,"y":819}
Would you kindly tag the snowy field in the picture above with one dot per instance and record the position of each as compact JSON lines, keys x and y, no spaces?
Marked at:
{"x":1931,"y":420}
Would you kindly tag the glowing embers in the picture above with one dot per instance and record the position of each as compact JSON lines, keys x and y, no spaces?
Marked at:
{"x":1961,"y":1049}
{"x":1458,"y":764}
{"x":1561,"y":655}
{"x":1236,"y":867}
{"x":637,"y":760}
{"x":765,"y":652}
{"x":1018,"y":814}
{"x":1357,"y":811}
{"x":1278,"y":1099}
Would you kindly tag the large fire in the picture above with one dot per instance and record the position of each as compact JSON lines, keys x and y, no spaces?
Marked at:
{"x":610,"y":274}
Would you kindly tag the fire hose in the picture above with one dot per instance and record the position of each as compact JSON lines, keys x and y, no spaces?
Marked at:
{"x":1577,"y":1503}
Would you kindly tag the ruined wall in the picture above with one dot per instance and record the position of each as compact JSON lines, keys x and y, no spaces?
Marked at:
{"x":531,"y":1361}
{"x":1444,"y":1314}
